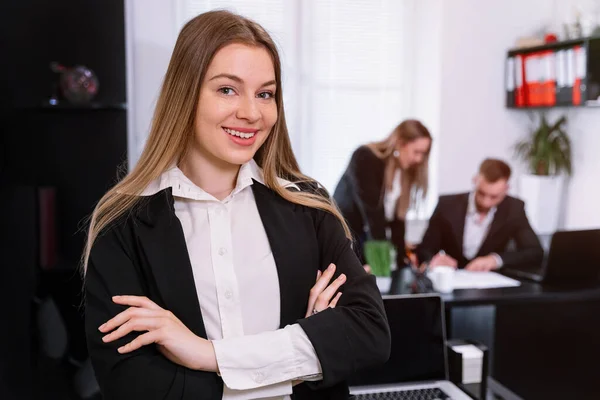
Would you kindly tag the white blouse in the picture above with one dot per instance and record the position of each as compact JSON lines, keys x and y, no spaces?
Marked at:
{"x":238,"y":288}
{"x":391,"y":196}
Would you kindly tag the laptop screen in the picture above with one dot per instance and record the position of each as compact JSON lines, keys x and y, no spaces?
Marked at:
{"x":418,"y":340}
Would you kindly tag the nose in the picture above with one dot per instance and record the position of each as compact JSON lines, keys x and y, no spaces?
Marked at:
{"x":248,"y":109}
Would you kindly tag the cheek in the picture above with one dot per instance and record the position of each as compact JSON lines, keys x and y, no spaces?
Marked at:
{"x":213,"y":110}
{"x":270,"y":115}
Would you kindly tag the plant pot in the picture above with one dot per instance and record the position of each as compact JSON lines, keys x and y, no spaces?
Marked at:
{"x":543,"y":201}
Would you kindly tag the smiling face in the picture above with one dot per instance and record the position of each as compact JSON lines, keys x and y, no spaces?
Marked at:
{"x":237,"y":107}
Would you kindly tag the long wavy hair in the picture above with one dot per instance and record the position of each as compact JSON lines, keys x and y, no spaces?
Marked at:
{"x":173,"y":123}
{"x":413,"y":181}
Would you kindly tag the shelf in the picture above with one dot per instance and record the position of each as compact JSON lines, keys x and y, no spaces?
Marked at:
{"x":589,"y":104}
{"x":64,"y":106}
{"x":551,"y":46}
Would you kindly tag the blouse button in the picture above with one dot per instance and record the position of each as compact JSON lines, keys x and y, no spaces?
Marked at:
{"x":222,"y":251}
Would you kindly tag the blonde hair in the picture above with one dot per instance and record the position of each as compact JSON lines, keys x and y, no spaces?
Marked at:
{"x":414,"y":181}
{"x":173,"y":122}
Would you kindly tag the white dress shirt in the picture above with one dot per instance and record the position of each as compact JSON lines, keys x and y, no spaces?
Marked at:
{"x":390,"y":199}
{"x":238,"y":288}
{"x":476,"y":230}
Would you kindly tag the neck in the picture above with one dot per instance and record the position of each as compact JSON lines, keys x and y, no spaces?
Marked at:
{"x":214,"y":176}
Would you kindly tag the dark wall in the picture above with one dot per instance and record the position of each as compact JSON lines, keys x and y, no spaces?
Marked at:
{"x":75,"y":150}
{"x":37,"y":32}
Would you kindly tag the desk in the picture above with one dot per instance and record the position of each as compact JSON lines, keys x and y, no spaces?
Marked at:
{"x":528,"y":292}
{"x":543,"y":338}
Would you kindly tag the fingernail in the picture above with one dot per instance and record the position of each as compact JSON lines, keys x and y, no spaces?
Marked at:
{"x":120,"y":349}
{"x":331,"y":267}
{"x":102,"y":326}
{"x":104,"y":338}
{"x":342,"y":277}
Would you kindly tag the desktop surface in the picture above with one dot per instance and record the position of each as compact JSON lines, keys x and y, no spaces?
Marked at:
{"x":528,"y":291}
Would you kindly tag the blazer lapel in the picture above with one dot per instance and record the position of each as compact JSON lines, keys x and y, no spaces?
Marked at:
{"x":289,"y":237}
{"x":163,"y":243}
{"x":457,"y":220}
{"x":497,"y":223}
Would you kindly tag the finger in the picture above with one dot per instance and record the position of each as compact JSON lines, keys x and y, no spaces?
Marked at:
{"x":136,"y":324}
{"x":326,"y":276}
{"x":125,"y":316}
{"x":367,"y":268}
{"x":136,"y":301}
{"x":322,"y":282}
{"x":319,"y":273}
{"x":142,"y":340}
{"x":327,"y":294}
{"x":335,"y":300}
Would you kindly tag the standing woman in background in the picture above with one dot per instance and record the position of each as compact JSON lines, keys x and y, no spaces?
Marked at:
{"x":383,"y":180}
{"x":201,"y":263}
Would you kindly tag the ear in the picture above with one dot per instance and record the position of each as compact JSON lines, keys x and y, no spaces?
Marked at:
{"x":475,"y":180}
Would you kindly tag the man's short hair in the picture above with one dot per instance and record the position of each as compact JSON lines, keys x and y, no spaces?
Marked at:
{"x":493,"y":170}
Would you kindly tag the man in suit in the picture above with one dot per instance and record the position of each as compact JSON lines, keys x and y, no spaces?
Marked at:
{"x":473,"y":230}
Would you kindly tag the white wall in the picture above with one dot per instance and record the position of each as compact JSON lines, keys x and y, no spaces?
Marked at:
{"x":151,"y":30}
{"x":459,"y":93}
{"x":474,"y":122}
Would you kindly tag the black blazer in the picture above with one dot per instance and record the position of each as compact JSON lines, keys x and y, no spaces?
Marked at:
{"x":510,"y":224}
{"x":363,"y":182}
{"x":144,"y":253}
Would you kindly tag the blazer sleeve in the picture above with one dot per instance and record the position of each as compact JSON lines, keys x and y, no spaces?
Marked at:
{"x":142,"y":374}
{"x":363,"y":168}
{"x":355,"y":334}
{"x":529,"y":251}
{"x":432,"y":239}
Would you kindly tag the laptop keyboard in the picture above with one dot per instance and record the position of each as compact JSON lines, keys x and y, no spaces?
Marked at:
{"x":419,"y":394}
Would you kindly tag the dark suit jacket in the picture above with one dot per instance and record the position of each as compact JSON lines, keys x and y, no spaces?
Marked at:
{"x":447,"y":225}
{"x":363,"y":183}
{"x":144,"y":253}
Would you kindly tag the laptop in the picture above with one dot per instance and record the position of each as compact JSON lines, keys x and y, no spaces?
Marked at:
{"x":574,"y":256}
{"x":418,"y":365}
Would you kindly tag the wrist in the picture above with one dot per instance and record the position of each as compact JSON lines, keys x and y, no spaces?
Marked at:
{"x":207,"y":359}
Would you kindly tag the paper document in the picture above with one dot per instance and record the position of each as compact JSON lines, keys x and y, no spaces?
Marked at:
{"x":482,"y":280}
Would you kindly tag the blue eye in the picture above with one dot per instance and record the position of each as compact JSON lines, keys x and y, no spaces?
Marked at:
{"x":226,"y":91}
{"x":266,"y":95}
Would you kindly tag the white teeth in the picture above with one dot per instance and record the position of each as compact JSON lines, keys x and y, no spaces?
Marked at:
{"x":239,"y":134}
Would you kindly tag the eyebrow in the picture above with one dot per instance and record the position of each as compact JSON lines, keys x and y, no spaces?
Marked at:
{"x":240,"y":80}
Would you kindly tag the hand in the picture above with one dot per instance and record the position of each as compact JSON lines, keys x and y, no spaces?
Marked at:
{"x":322,"y":292}
{"x":366,"y":267}
{"x":173,"y":339}
{"x":484,"y":264}
{"x":443,"y":259}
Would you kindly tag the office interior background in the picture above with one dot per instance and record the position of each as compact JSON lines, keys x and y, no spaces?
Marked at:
{"x":353,"y":69}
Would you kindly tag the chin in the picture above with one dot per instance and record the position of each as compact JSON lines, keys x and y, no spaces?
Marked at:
{"x":239,"y":157}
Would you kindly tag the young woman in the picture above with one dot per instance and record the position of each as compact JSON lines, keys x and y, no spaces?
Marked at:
{"x":383,"y":180}
{"x":201,"y":263}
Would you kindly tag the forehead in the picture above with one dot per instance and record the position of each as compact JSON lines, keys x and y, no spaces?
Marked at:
{"x":420,"y":144}
{"x":492,"y":188}
{"x":246,"y":62}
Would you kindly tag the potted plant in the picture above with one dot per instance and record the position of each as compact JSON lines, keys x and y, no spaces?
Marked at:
{"x":547,"y":153}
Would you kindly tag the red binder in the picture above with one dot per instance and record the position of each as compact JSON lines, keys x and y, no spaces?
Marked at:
{"x":519,"y":81}
{"x":580,"y":72}
{"x":549,"y":84}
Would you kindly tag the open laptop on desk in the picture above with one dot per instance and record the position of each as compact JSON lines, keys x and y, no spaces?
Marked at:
{"x":574,"y":256}
{"x":418,"y":365}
